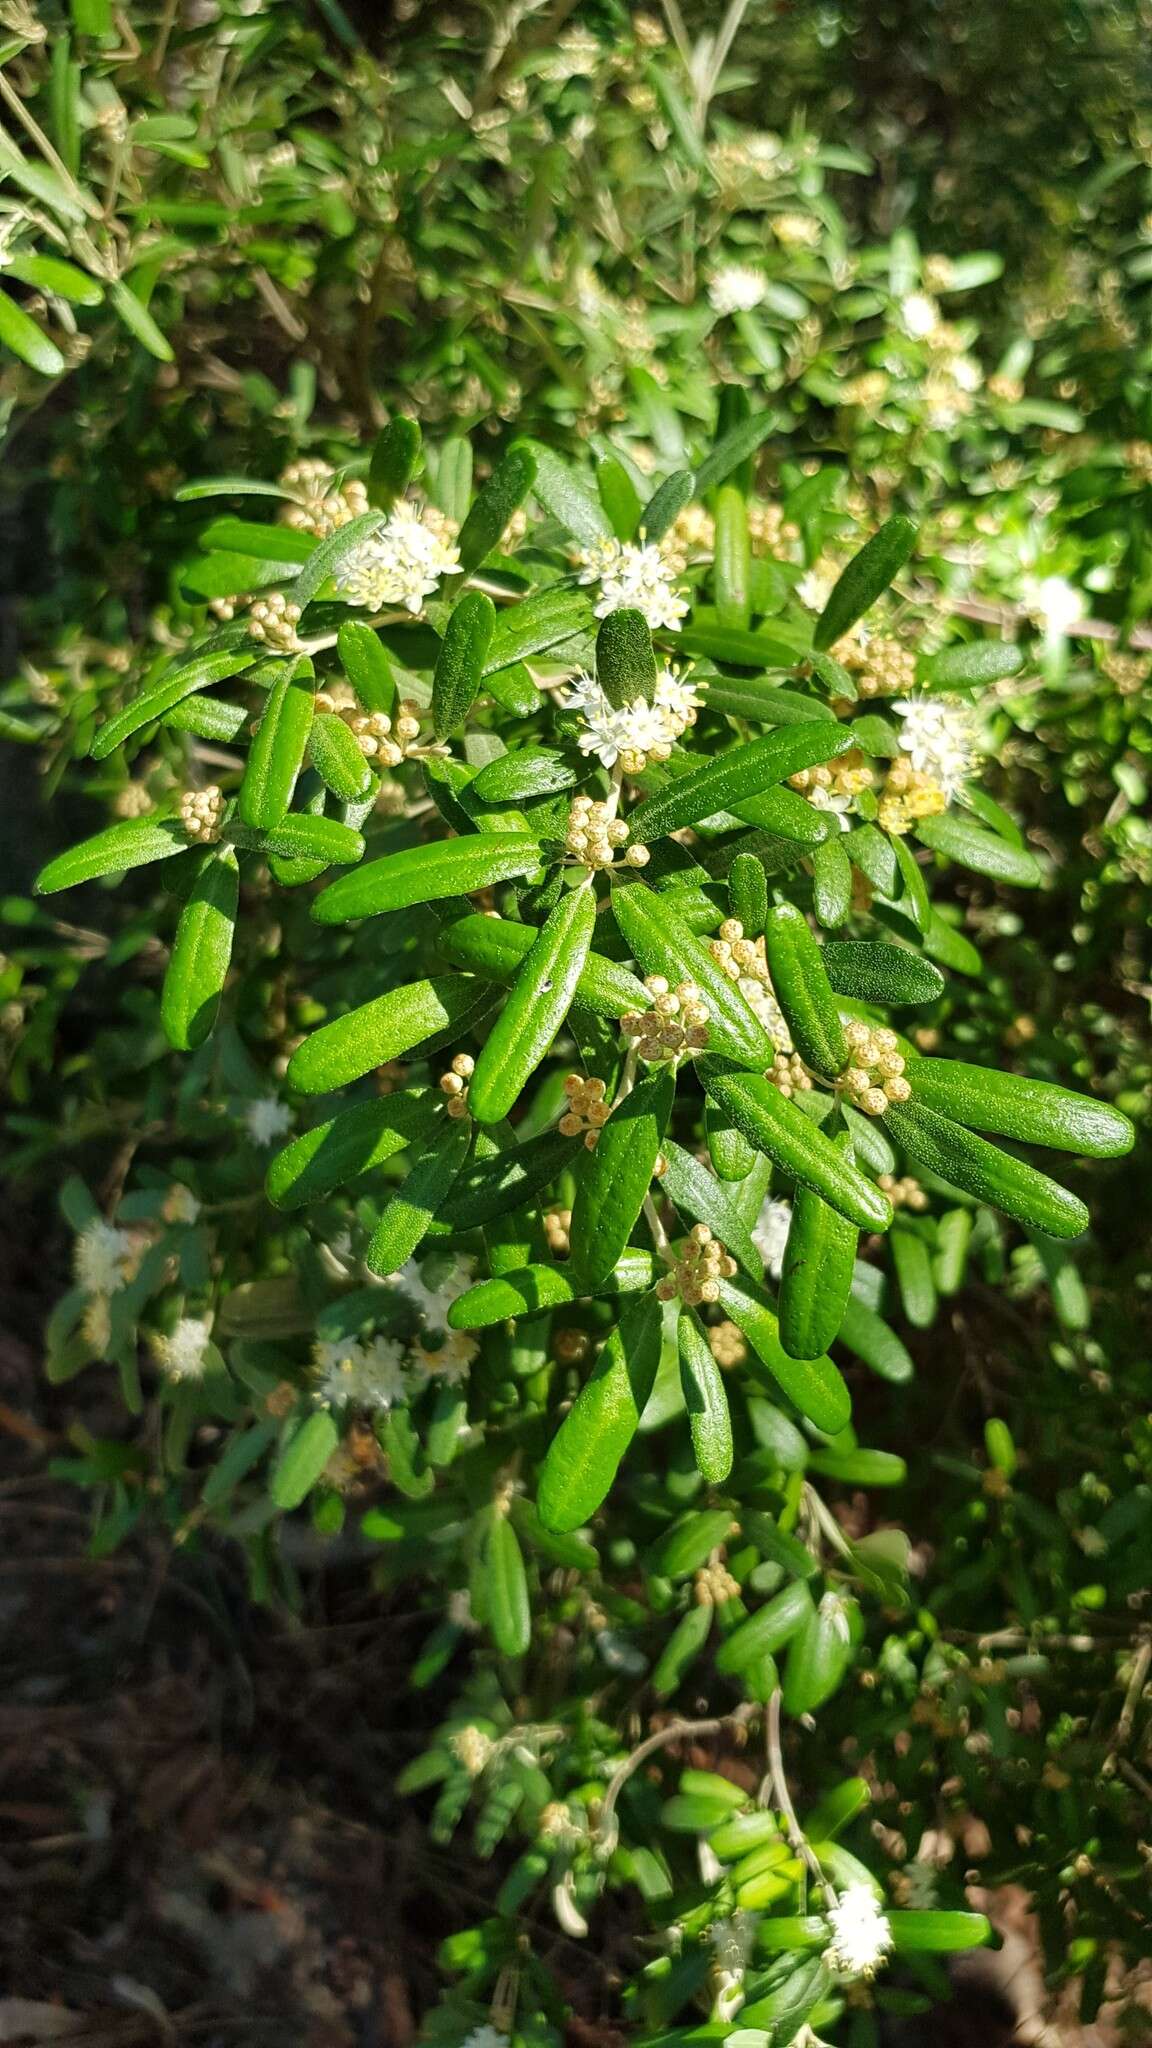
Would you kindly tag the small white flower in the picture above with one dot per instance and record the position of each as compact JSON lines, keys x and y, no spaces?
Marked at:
{"x":633,"y":578}
{"x":101,"y":1257}
{"x":939,"y":737}
{"x":770,"y":1235}
{"x":401,"y":564}
{"x":432,"y":1303}
{"x":920,"y":315}
{"x":638,"y":728}
{"x":267,"y":1119}
{"x":180,"y":1205}
{"x":451,"y":1362}
{"x":736,"y":288}
{"x":861,"y":1933}
{"x":486,"y":2037}
{"x":678,"y":697}
{"x":183,"y":1354}
{"x":459,"y":1609}
{"x":580,"y":693}
{"x":816,"y":585}
{"x":1053,"y":602}
{"x":966,"y":373}
{"x":835,"y":803}
{"x":354,"y":1375}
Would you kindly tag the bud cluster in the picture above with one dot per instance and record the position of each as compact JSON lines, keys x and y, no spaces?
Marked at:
{"x":587,"y":1111}
{"x":789,"y":1074}
{"x":201,"y":812}
{"x":454,"y":1084}
{"x":379,"y":737}
{"x":132,"y":801}
{"x":903,"y":1192}
{"x":472,"y":1748}
{"x":908,"y":795}
{"x":272,"y":622}
{"x":557,"y":1224}
{"x":1129,"y":672}
{"x":698,"y":1270}
{"x":882,"y":667}
{"x":744,"y":961}
{"x":727,"y":1345}
{"x":833,"y":785}
{"x":323,"y":506}
{"x":875,"y":1076}
{"x":713,"y":1585}
{"x":595,"y":836}
{"x":676,"y":1023}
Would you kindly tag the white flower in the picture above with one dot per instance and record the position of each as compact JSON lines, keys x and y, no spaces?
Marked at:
{"x":486,"y":2037}
{"x":433,"y":1303}
{"x":638,"y":728}
{"x":920,"y":314}
{"x":183,"y":1354}
{"x":939,"y":738}
{"x":770,"y":1235}
{"x":678,"y":697}
{"x":835,"y":803}
{"x":355,"y":1375}
{"x":267,"y":1119}
{"x":402,"y":563}
{"x":581,"y":693}
{"x":451,"y":1362}
{"x":180,"y":1204}
{"x":816,"y":585}
{"x":101,"y":1257}
{"x":736,"y":288}
{"x":1053,"y":603}
{"x":634,"y":578}
{"x":861,"y":1933}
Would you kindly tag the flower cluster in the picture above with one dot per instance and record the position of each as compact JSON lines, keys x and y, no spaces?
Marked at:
{"x":713,"y":1585}
{"x":908,"y":795}
{"x":903,"y":1191}
{"x":834,"y":785}
{"x":698,"y":1270}
{"x":104,"y":1257}
{"x":861,"y":1933}
{"x":272,"y":623}
{"x":736,"y":288}
{"x":355,"y":1375}
{"x":595,"y":836}
{"x":319,"y":504}
{"x":676,"y":1023}
{"x":632,"y":734}
{"x":789,"y":1074}
{"x":634,"y":578}
{"x":448,"y":1361}
{"x":770,"y":1235}
{"x":402,"y":563}
{"x":875,"y":1076}
{"x":879,"y":664}
{"x":744,"y":961}
{"x":940,"y":740}
{"x":182,"y":1354}
{"x":267,"y":1119}
{"x":727,"y":1344}
{"x":587,"y":1111}
{"x":201,"y":813}
{"x":454,"y":1084}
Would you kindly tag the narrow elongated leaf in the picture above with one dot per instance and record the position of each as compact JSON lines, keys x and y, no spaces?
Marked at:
{"x":663,"y":944}
{"x":381,"y":1030}
{"x":536,"y":625}
{"x":681,"y":1651}
{"x":748,"y":893}
{"x":201,"y":952}
{"x":506,"y":1590}
{"x":49,"y":274}
{"x":19,"y":332}
{"x":131,"y":844}
{"x":971,"y":667}
{"x":299,"y":836}
{"x":427,"y":874}
{"x":619,"y":497}
{"x":723,"y":784}
{"x":337,"y":759}
{"x":506,"y":489}
{"x":366,"y":666}
{"x":699,"y":1196}
{"x":937,"y":1933}
{"x":324,"y":560}
{"x":407,"y":1214}
{"x":732,"y":558}
{"x":1012,"y":1106}
{"x":914,"y":890}
{"x":209,"y":717}
{"x":536,"y":1007}
{"x":303,"y":1459}
{"x":690,"y":1542}
{"x":277,"y":751}
{"x":584,"y":1455}
{"x":767,"y":1630}
{"x":831,"y":882}
{"x":260,"y":541}
{"x":614,"y":1178}
{"x":813,"y":1385}
{"x":563,"y":495}
{"x":875,"y":1343}
{"x":666,"y":504}
{"x":488,"y":1188}
{"x":625,"y":662}
{"x":395,"y":454}
{"x":913,"y":1262}
{"x":460,"y":662}
{"x":732,"y":449}
{"x":230,"y":487}
{"x":170,"y":689}
{"x":871,"y":973}
{"x":497,"y":948}
{"x":347,"y":1145}
{"x":139,"y":321}
{"x":816,"y":1278}
{"x":820,"y":1654}
{"x":781,"y":1130}
{"x":533,"y":772}
{"x":865,"y":579}
{"x":733,"y":1158}
{"x":532,"y":1290}
{"x":972,"y":847}
{"x":705,"y":1400}
{"x":804,"y":992}
{"x":958,"y":1156}
{"x":784,"y":814}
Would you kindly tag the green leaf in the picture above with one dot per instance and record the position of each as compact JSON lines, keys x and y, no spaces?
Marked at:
{"x":201,"y":952}
{"x":460,"y":662}
{"x":914,"y":894}
{"x":813,"y":1385}
{"x":491,"y":1187}
{"x":532,"y":1290}
{"x":732,"y":1156}
{"x":831,"y":882}
{"x":277,"y":751}
{"x":381,"y":1030}
{"x":958,"y":839}
{"x":870,"y":1339}
{"x":131,"y":844}
{"x":170,"y":689}
{"x":1012,"y":1106}
{"x":506,"y":489}
{"x":532,"y":772}
{"x":49,"y":274}
{"x":868,"y":972}
{"x":536,"y":1007}
{"x":139,"y":322}
{"x":872,"y":852}
{"x":614,"y":1178}
{"x":690,"y":1542}
{"x":366,"y":666}
{"x":300,"y":836}
{"x":732,"y":449}
{"x":696,"y":1194}
{"x":816,"y":1278}
{"x":564,"y":496}
{"x":619,"y":497}
{"x":324,"y":560}
{"x":395,"y":454}
{"x":913,"y":1262}
{"x":666,"y":504}
{"x":229,"y":487}
{"x":664,"y":944}
{"x":966,"y":1161}
{"x":705,"y":1400}
{"x":584,"y":1455}
{"x":625,"y":663}
{"x":497,"y":949}
{"x":766,"y":1631}
{"x":866,"y":577}
{"x":725,"y":783}
{"x":781,"y":1130}
{"x":538,"y":624}
{"x":748,"y":893}
{"x":971,"y":667}
{"x":338,"y":1150}
{"x":937,"y":1933}
{"x":451,"y":479}
{"x":860,"y":1468}
{"x":681,"y":1651}
{"x":820,"y":1655}
{"x":337,"y":759}
{"x":804,"y":992}
{"x":506,"y":1589}
{"x":407,"y":1214}
{"x":732,"y":558}
{"x":427,"y":874}
{"x":303,"y":1459}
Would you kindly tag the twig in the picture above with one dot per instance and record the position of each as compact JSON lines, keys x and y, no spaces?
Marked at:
{"x":676,"y":1731}
{"x":797,"y":1839}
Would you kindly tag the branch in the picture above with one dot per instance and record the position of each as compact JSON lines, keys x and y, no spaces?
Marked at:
{"x":676,"y":1731}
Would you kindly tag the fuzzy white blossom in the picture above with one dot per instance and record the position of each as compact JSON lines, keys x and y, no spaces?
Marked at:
{"x":633,"y":578}
{"x":402,"y":563}
{"x":736,"y":288}
{"x":432,"y":1302}
{"x":939,"y":737}
{"x":183,"y":1353}
{"x":355,"y":1375}
{"x":635,"y":729}
{"x":770,"y":1235}
{"x":451,"y":1362}
{"x":267,"y":1119}
{"x":678,"y":697}
{"x":102,"y":1257}
{"x":861,"y":1933}
{"x":816,"y":585}
{"x":487,"y":2037}
{"x":920,"y":315}
{"x":1054,"y":603}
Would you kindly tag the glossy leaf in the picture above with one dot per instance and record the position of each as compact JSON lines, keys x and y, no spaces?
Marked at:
{"x":303,"y":1459}
{"x":395,"y":454}
{"x":958,"y":1156}
{"x":170,"y":689}
{"x":131,"y":844}
{"x":785,"y":1134}
{"x":497,"y":948}
{"x":337,"y":759}
{"x":540,"y":623}
{"x":487,"y":522}
{"x":460,"y":662}
{"x":803,"y":991}
{"x":625,"y":663}
{"x":506,"y":1588}
{"x":663,"y":944}
{"x":584,"y":1455}
{"x":201,"y":951}
{"x":971,"y":846}
{"x":813,"y":1385}
{"x":345,"y":1146}
{"x":766,"y":1631}
{"x":366,"y":666}
{"x":866,"y":578}
{"x":538,"y":1003}
{"x":381,"y":1030}
{"x":698,"y":1196}
{"x":531,"y":1290}
{"x":705,"y":1400}
{"x":1013,"y":1106}
{"x":277,"y":751}
{"x":614,"y":1178}
{"x":19,"y":332}
{"x":666,"y":504}
{"x":723,"y":784}
{"x":407,"y":1213}
{"x":426,"y":874}
{"x":875,"y":1343}
{"x":816,"y":1277}
{"x":870,"y":973}
{"x":748,"y":893}
{"x":831,"y":882}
